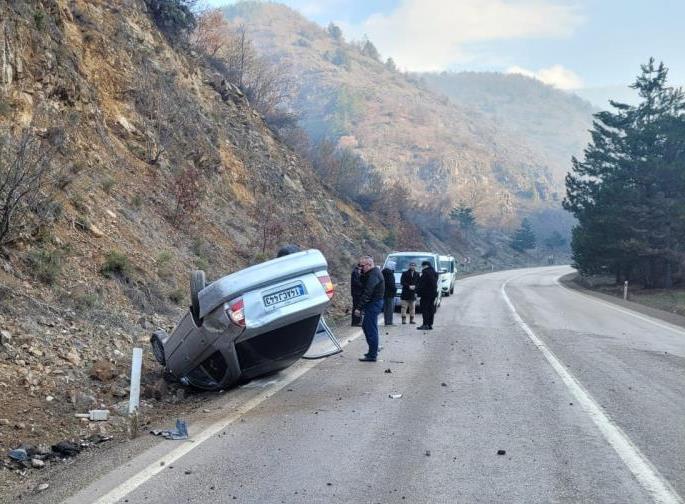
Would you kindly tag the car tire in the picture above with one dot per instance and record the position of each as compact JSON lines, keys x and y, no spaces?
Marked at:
{"x":452,"y":291}
{"x":197,"y":283}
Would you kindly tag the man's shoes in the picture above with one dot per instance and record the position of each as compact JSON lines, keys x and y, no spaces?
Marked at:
{"x":366,"y":358}
{"x":404,"y":320}
{"x":411,"y":321}
{"x":422,"y":328}
{"x":430,"y":327}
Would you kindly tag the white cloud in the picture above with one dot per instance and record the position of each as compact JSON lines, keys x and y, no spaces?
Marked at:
{"x":426,"y":35}
{"x":556,"y":76}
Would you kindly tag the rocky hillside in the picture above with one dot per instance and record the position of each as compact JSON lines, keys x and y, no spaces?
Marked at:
{"x":155,"y":166}
{"x":445,"y":152}
{"x":554,"y":123}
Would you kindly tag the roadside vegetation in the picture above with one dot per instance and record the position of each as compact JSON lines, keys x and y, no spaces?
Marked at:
{"x":628,"y":191}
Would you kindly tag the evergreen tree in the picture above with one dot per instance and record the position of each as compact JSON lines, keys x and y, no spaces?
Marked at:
{"x":555,"y":240}
{"x":627,"y":193}
{"x":464,"y":216}
{"x":524,"y":238}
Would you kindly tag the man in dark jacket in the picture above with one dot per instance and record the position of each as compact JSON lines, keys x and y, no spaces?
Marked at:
{"x":409,"y":281}
{"x":390,"y":291}
{"x":356,"y":289}
{"x":371,"y":303}
{"x":427,"y":290}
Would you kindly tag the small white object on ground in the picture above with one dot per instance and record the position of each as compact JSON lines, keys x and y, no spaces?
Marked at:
{"x":395,"y":396}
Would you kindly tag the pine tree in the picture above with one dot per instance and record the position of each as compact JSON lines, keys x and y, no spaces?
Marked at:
{"x":627,"y":193}
{"x":524,"y":238}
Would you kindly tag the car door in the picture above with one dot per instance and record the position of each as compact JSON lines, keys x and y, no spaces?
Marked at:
{"x":324,"y":343}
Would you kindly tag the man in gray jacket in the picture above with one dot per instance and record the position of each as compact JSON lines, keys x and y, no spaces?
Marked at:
{"x":371,"y":305}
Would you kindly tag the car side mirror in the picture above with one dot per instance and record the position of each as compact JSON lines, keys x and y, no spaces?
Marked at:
{"x":443,"y":270}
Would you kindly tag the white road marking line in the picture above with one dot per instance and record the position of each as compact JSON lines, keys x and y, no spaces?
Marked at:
{"x":154,"y":468}
{"x":644,"y":471}
{"x":663,"y":325}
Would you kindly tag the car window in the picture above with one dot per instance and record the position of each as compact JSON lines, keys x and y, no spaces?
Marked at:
{"x":402,"y":262}
{"x":446,"y":265}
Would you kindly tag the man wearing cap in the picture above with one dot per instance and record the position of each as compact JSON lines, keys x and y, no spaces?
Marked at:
{"x":390,"y":290}
{"x":409,"y":280}
{"x":427,"y":290}
{"x":371,"y":304}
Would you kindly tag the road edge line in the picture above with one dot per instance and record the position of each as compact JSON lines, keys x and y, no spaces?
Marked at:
{"x":627,"y":311}
{"x":642,"y":469}
{"x":152,"y":469}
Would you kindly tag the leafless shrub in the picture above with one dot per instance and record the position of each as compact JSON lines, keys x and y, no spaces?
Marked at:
{"x":26,"y":175}
{"x":266,"y":84}
{"x":161,"y":105}
{"x":270,"y":226}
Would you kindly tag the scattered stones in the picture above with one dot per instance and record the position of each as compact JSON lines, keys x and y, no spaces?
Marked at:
{"x":42,"y":487}
{"x":4,"y":421}
{"x":103,"y":371}
{"x":428,"y":453}
{"x":501,"y":452}
{"x":5,"y":337}
{"x":443,"y":384}
{"x":37,"y":463}
{"x":388,"y":371}
{"x":188,"y":471}
{"x":72,"y":357}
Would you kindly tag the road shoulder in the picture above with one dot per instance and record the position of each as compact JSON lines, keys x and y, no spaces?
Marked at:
{"x":569,"y":282}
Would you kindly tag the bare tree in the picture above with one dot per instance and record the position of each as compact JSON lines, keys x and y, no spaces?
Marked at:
{"x":26,"y":174}
{"x":160,"y":105}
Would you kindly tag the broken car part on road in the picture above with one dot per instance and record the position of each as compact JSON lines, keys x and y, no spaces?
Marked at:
{"x":253,"y":322}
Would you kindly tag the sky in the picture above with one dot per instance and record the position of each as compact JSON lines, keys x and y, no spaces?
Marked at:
{"x":591,"y":47}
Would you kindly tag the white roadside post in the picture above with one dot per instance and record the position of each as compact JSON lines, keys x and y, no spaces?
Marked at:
{"x":625,"y":290}
{"x":134,"y":398}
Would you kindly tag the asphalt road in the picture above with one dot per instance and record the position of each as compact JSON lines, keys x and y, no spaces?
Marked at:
{"x":585,"y":399}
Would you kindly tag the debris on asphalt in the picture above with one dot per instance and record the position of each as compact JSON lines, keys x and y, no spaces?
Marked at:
{"x":97,"y":415}
{"x":396,"y":361}
{"x":66,"y":449}
{"x":37,"y":463}
{"x":395,"y":396}
{"x":180,"y":432}
{"x":428,"y":453}
{"x":501,"y":452}
{"x":388,"y":371}
{"x":42,"y":487}
{"x":188,"y":471}
{"x":443,"y":384}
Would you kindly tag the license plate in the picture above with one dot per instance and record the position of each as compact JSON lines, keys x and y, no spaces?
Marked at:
{"x":284,"y":297}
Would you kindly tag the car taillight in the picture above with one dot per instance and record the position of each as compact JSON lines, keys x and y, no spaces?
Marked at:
{"x":236,"y":312}
{"x":327,"y":285}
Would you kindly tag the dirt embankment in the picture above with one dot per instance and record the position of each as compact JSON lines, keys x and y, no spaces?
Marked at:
{"x":111,"y":264}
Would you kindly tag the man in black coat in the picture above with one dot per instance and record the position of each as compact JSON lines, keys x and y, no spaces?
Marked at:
{"x":390,"y":291}
{"x":427,"y":290}
{"x":409,"y":281}
{"x":371,"y":304}
{"x":356,"y":289}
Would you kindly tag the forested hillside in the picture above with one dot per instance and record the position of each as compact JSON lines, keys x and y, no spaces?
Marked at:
{"x":442,"y":153}
{"x":554,"y":123}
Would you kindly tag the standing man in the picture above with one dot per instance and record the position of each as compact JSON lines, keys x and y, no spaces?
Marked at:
{"x":356,"y":289}
{"x":409,"y":281}
{"x":427,"y":290}
{"x":390,"y":291}
{"x":371,"y":303}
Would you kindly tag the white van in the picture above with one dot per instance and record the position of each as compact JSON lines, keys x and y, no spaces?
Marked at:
{"x":448,"y":275}
{"x":402,"y":260}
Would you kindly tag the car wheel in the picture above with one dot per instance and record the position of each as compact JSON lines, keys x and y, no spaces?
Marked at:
{"x":197,"y":283}
{"x":452,"y":290}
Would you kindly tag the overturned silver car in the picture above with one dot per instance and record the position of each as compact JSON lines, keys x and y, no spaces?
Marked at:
{"x":253,"y":322}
